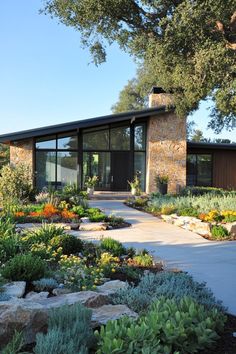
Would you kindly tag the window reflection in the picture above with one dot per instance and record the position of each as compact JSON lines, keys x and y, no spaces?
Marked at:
{"x":120,"y":138}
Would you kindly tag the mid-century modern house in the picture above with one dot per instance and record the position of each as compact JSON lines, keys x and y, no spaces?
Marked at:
{"x":151,"y":141}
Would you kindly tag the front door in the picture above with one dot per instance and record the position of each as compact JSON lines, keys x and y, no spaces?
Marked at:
{"x":120,"y":170}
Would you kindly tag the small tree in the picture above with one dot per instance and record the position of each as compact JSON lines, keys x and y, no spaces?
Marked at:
{"x":15,"y":184}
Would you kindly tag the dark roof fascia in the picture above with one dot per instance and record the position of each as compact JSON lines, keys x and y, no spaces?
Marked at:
{"x":210,"y":146}
{"x":85,"y":123}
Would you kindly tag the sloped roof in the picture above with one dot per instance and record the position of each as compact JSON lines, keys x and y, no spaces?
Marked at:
{"x":83,"y":123}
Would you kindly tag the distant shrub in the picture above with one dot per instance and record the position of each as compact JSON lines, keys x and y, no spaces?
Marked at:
{"x":168,"y":209}
{"x":219,"y":232}
{"x":143,"y":260}
{"x":170,"y":326}
{"x":114,"y":221}
{"x":24,"y":267}
{"x":16,"y":184}
{"x":45,"y":284}
{"x":197,"y":191}
{"x":69,"y":332}
{"x":168,"y":284}
{"x":44,"y":234}
{"x":113,"y":246}
{"x":188,"y":212}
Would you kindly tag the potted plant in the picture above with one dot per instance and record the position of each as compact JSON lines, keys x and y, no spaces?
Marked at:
{"x":162,"y":183}
{"x":90,"y":184}
{"x":135,"y":186}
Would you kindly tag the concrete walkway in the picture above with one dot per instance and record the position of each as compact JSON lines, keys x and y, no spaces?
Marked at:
{"x":212,"y":262}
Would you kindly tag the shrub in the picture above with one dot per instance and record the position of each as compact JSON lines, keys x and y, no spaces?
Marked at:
{"x":24,"y":267}
{"x":140,"y":202}
{"x":188,"y":212}
{"x":79,"y":210}
{"x":143,"y":260}
{"x":219,"y":232}
{"x":15,"y":184}
{"x":44,"y":234}
{"x":169,"y":326}
{"x":69,"y":332}
{"x":114,"y":221}
{"x":69,"y":244}
{"x":197,"y":191}
{"x":76,"y":275}
{"x":45,"y":284}
{"x":9,"y":246}
{"x":97,"y":217}
{"x":168,"y":284}
{"x":113,"y":246}
{"x":168,"y":209}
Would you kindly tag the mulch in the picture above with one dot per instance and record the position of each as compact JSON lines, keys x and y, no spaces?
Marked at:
{"x":227,"y":343}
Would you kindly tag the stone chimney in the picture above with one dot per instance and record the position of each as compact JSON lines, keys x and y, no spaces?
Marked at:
{"x":158,"y":97}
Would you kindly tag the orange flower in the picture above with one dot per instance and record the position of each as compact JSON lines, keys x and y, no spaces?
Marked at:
{"x":66,"y":214}
{"x":202,"y":216}
{"x":35,"y":213}
{"x":49,"y":210}
{"x":19,"y":214}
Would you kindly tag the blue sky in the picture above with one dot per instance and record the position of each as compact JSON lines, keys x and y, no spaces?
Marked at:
{"x":46,"y":78}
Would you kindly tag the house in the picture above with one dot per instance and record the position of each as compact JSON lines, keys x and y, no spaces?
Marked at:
{"x":150,"y":142}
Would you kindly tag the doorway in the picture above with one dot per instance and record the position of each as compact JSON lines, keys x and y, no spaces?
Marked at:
{"x":121,"y":170}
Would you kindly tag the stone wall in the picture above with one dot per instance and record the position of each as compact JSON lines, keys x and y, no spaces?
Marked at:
{"x":166,"y":151}
{"x":22,"y":152}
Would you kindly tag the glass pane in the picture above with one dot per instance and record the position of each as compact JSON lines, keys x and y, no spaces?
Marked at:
{"x":66,"y":168}
{"x":48,"y":142}
{"x":45,"y":169}
{"x":191,"y":170}
{"x":97,"y":164}
{"x":140,"y":167}
{"x":139,"y":137}
{"x":204,"y":170}
{"x":120,"y":138}
{"x":68,"y":142}
{"x":96,"y":140}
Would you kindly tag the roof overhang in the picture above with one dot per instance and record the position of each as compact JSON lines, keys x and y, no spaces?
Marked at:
{"x":84,"y":123}
{"x":210,"y":146}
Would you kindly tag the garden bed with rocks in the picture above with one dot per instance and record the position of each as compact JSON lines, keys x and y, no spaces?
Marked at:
{"x":200,"y":227}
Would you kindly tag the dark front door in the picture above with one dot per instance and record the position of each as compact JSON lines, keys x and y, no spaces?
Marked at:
{"x":120,"y":170}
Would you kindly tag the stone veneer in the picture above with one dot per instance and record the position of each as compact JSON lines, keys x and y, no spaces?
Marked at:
{"x":22,"y":152}
{"x":166,"y":151}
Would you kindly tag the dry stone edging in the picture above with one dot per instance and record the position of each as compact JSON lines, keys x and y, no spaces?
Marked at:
{"x":111,"y":287}
{"x":30,"y":316}
{"x":189,"y":223}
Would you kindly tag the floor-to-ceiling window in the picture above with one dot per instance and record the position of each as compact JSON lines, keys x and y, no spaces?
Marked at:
{"x":114,"y":153}
{"x":56,"y":161}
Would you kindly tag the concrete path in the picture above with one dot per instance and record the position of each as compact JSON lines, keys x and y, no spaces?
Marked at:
{"x":212,"y":262}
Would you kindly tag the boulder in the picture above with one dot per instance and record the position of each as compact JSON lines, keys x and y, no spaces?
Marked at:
{"x":111,"y":287}
{"x":93,"y":226}
{"x":31,"y":317}
{"x":33,"y":296}
{"x":231,"y":227}
{"x":101,"y":315}
{"x":201,"y":228}
{"x":15,"y":289}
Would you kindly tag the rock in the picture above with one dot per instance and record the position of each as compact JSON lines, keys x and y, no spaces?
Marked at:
{"x":15,"y":289}
{"x":33,"y":296}
{"x":61,"y":291}
{"x":102,"y":315}
{"x":85,"y":220}
{"x":111,"y":287}
{"x":201,"y":228}
{"x":179,"y":222}
{"x":87,"y":298}
{"x":93,"y":226}
{"x":168,"y":218}
{"x":74,"y":226}
{"x":231,"y":227}
{"x":31,"y":317}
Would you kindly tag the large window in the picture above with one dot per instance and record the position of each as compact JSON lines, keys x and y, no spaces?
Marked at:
{"x":56,"y":161}
{"x":120,"y":138}
{"x":98,"y":164}
{"x":96,"y":139}
{"x":199,"y":170}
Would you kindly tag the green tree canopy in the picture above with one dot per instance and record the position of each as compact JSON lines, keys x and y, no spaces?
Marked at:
{"x":188,"y":47}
